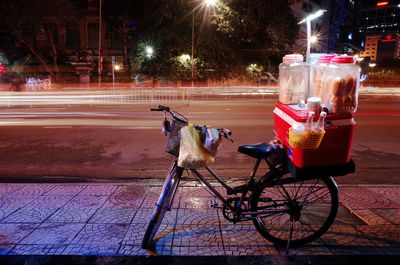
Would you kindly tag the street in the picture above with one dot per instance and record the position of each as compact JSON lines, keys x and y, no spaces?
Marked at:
{"x":122,"y":141}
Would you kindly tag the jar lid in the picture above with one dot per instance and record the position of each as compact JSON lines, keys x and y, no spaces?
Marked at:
{"x":326,"y":58}
{"x":292,"y":58}
{"x":343,"y":59}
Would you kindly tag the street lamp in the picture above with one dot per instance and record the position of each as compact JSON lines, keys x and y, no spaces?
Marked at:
{"x":149,"y":51}
{"x":207,"y":3}
{"x":308,"y":22}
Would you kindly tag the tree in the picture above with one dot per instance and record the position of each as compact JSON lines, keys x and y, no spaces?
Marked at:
{"x":266,"y":25}
{"x":34,"y":24}
{"x":227,"y":38}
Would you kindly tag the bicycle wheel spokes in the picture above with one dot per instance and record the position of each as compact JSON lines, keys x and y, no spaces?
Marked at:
{"x":304,"y":211}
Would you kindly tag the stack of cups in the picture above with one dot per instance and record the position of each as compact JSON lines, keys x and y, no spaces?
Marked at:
{"x":314,"y":104}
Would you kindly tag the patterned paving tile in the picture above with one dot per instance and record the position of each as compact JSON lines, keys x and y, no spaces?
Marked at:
{"x":135,"y":250}
{"x":244,"y":250}
{"x":132,"y":190}
{"x":72,"y":215}
{"x":9,"y":188}
{"x":13,"y":233}
{"x":29,"y":215}
{"x":53,"y":233}
{"x":123,"y":201}
{"x":34,"y":189}
{"x":135,"y":234}
{"x":347,"y":217}
{"x":347,"y":202}
{"x":67,"y":189}
{"x":150,"y":202}
{"x":355,"y":250}
{"x":393,"y":193}
{"x":199,"y":192}
{"x":96,"y":249}
{"x":195,"y":203}
{"x":382,"y":235}
{"x":200,"y":217}
{"x":392,"y":215}
{"x":112,"y":216}
{"x":368,"y":198}
{"x":99,"y":190}
{"x":154,"y":191}
{"x":51,"y":201}
{"x":243,"y":234}
{"x":199,"y":251}
{"x":5,"y":212}
{"x":92,"y":234}
{"x":38,"y":249}
{"x":143,"y":216}
{"x":15,"y":201}
{"x":4,"y":249}
{"x":86,"y":201}
{"x":345,"y":236}
{"x":191,"y":235}
{"x":370,"y":217}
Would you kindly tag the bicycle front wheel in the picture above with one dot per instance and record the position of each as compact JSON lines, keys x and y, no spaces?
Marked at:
{"x":297,"y":213}
{"x":164,"y":203}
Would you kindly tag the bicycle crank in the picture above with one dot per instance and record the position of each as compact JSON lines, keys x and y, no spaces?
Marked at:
{"x":229,"y":214}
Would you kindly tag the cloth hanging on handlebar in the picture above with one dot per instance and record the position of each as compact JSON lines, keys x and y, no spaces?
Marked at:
{"x":192,"y":152}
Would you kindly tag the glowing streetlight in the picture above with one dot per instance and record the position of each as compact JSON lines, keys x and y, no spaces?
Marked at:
{"x":208,"y":3}
{"x":149,"y":51}
{"x":314,"y":39}
{"x":117,"y":67}
{"x":184,"y":57}
{"x":372,"y":65}
{"x":308,"y":21}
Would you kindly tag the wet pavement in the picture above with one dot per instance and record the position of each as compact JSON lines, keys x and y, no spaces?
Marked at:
{"x":111,"y":218}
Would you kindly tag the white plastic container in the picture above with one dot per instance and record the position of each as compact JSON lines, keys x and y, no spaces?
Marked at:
{"x":341,"y":83}
{"x":293,"y":79}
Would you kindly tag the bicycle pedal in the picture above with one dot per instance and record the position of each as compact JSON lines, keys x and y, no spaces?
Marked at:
{"x":214,"y":203}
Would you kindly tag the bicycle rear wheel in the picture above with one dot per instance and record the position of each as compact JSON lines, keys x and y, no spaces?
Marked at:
{"x":164,"y":203}
{"x":297,"y":213}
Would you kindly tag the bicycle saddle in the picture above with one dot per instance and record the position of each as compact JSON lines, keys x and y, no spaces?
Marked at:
{"x":259,"y":151}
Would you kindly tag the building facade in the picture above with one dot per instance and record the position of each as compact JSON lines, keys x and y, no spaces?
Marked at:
{"x":379,"y":27}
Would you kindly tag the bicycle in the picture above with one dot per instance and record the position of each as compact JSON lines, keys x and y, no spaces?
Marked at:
{"x":289,"y":206}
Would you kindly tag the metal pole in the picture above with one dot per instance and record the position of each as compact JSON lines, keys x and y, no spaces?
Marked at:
{"x":100,"y":56}
{"x":193,"y":46}
{"x":113,"y":73}
{"x":308,"y":40}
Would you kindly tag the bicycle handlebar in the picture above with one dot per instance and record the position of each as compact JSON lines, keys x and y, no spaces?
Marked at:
{"x":225,"y":132}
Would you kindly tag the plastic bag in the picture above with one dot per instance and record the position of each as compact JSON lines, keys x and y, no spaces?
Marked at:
{"x":192,"y":152}
{"x":213,"y":141}
{"x":173,"y":143}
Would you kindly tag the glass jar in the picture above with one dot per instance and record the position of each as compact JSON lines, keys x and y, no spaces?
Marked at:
{"x":293,"y":79}
{"x":340,"y":84}
{"x":317,"y":72}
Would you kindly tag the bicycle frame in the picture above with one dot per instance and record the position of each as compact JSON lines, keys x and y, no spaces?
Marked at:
{"x":250,"y":186}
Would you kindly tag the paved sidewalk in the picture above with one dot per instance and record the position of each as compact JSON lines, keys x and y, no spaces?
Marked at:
{"x":110,"y":219}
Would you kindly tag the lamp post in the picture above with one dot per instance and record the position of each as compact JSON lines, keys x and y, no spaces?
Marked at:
{"x":100,"y":62}
{"x":207,"y":3}
{"x":308,"y":23}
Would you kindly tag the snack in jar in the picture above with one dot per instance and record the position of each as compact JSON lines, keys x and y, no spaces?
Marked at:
{"x":340,"y":84}
{"x":293,"y":79}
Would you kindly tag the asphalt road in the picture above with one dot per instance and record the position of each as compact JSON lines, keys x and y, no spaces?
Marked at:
{"x":106,"y":142}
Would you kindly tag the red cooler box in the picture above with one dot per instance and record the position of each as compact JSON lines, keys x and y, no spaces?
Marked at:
{"x":335,"y":147}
